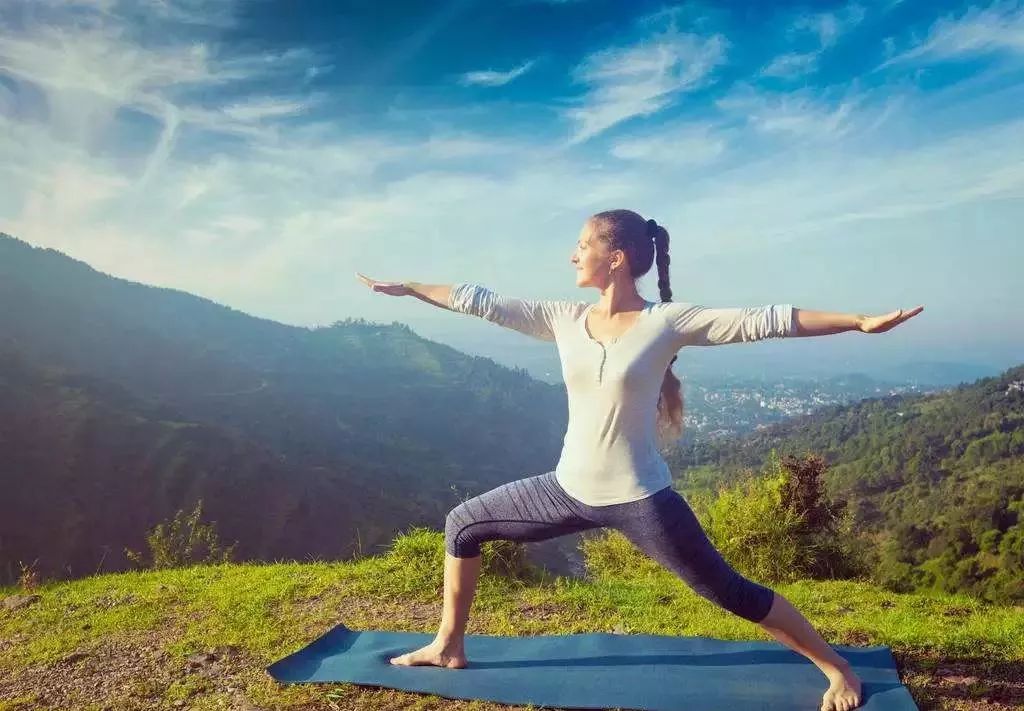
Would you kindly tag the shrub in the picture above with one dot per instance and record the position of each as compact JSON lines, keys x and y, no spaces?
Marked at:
{"x":419,"y":556}
{"x":183,"y":541}
{"x":28,"y":580}
{"x":773,"y":526}
{"x":752,"y":529}
{"x":608,"y":553}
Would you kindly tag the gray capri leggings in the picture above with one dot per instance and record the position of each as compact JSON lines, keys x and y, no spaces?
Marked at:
{"x":661,"y":525}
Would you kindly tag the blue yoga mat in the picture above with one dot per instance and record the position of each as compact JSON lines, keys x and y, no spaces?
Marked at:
{"x":599,"y":671}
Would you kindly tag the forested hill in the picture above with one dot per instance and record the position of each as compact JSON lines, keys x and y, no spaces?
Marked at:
{"x":116,"y":393}
{"x":935,"y":481}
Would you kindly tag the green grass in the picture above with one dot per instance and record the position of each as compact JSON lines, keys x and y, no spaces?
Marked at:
{"x":270,"y":610}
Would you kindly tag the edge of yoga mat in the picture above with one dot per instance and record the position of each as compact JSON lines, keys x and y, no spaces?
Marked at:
{"x":717,"y":688}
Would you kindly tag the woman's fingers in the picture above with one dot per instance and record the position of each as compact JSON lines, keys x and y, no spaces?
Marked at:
{"x":393,"y":288}
{"x":372,"y":283}
{"x":904,"y":315}
{"x":881,"y":324}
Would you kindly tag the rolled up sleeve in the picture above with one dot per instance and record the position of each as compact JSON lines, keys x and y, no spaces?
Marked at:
{"x":696,"y":325}
{"x":536,"y":318}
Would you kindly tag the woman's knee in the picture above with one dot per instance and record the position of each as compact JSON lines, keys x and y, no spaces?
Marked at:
{"x":458,"y":538}
{"x":742,"y":597}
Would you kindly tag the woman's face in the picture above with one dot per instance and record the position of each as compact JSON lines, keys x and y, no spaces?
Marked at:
{"x":591,"y":259}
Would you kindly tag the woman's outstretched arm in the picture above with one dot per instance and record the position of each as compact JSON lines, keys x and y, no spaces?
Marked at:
{"x":697,"y":325}
{"x":822,"y":323}
{"x":536,"y":318}
{"x":435,"y":294}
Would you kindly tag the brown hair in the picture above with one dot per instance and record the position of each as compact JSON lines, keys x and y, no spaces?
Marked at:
{"x":643,"y":240}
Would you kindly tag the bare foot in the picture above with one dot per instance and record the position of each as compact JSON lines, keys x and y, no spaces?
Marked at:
{"x":843,"y":692}
{"x":437,"y":653}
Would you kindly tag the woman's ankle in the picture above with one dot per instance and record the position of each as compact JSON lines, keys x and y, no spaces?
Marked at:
{"x":449,"y":639}
{"x":841,"y":666}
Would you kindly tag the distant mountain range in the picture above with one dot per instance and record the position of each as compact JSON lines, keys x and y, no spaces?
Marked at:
{"x":121,"y":403}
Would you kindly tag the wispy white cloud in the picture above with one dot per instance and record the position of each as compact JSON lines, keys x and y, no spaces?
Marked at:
{"x":219,"y":13}
{"x":998,"y":27}
{"x":888,"y":46}
{"x":490,"y":77}
{"x":912,"y":182}
{"x":225,"y":219}
{"x":791,"y":65}
{"x":255,"y":110}
{"x":806,"y":114}
{"x":826,"y":27}
{"x":680,"y":146}
{"x":88,"y":74}
{"x":641,"y":78}
{"x":91,"y":67}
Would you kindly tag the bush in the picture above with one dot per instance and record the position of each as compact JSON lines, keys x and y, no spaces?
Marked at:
{"x":750,"y":527}
{"x":608,"y":553}
{"x":778,"y":525}
{"x":182,"y":541}
{"x":418,"y":556}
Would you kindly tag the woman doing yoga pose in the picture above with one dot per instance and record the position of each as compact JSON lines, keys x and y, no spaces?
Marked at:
{"x":616,"y":360}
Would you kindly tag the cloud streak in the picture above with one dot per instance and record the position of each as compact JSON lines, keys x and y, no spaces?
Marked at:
{"x":641,"y":79}
{"x":827,"y":27}
{"x":997,"y":28}
{"x":491,"y":77}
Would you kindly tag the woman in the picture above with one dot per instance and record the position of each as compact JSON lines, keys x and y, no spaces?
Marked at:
{"x":616,"y":358}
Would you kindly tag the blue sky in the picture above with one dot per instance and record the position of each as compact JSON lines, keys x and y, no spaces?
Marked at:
{"x":856,"y":156}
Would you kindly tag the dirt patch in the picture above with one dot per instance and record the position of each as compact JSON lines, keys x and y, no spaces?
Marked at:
{"x":540,"y":611}
{"x":369,"y":613}
{"x":963,"y":684}
{"x":856,"y":638}
{"x":129,"y":674}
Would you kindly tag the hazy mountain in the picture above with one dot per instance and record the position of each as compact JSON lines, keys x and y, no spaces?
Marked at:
{"x":382,"y":428}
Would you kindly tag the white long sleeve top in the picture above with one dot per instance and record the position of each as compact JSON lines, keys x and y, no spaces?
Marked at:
{"x":609,"y":452}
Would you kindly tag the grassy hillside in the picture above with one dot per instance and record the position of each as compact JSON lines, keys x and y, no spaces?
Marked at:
{"x":125,"y":640}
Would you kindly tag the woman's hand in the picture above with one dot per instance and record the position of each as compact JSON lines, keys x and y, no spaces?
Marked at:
{"x":880,"y":324}
{"x":393,"y":288}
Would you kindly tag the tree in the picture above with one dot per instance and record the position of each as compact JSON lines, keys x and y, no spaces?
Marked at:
{"x":825,"y":530}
